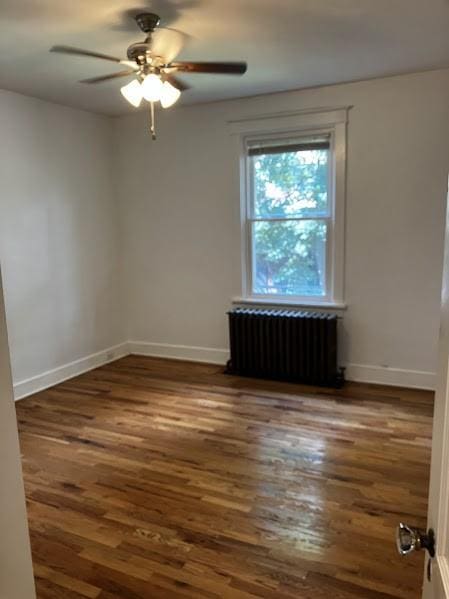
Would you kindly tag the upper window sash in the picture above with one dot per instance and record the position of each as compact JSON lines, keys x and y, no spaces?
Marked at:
{"x":281,"y":145}
{"x":264,"y":219}
{"x":310,"y":150}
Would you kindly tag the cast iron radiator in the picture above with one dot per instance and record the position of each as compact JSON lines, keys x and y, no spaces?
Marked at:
{"x":284,"y":345}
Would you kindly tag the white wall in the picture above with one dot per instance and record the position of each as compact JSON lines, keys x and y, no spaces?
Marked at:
{"x":181,"y":223}
{"x":59,"y":242}
{"x":63,"y":172}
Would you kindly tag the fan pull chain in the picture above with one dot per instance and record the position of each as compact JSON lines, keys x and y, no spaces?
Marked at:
{"x":152,"y":122}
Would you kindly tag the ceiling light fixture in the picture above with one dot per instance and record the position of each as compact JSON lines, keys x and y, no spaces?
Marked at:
{"x":156,"y":73}
{"x":169,"y":95}
{"x":152,"y":89}
{"x":133,"y":93}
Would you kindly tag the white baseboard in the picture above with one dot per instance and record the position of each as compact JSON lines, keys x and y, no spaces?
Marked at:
{"x":62,"y":373}
{"x":362,"y":373}
{"x":396,"y":377}
{"x":179,"y":352}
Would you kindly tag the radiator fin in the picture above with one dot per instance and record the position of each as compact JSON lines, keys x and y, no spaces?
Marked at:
{"x":285,"y":345}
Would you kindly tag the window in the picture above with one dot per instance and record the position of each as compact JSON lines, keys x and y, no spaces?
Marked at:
{"x":292,"y":199}
{"x":289,"y":217}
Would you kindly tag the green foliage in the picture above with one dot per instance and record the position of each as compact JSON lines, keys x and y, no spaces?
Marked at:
{"x":290,"y":255}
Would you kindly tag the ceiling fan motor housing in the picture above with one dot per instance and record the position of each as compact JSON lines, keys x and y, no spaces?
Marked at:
{"x":147,"y":21}
{"x":138,"y":52}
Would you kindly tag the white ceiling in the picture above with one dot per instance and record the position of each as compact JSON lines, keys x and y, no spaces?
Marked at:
{"x":288,"y":44}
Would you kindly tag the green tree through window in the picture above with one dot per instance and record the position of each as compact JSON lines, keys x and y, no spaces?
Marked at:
{"x":289,"y":224}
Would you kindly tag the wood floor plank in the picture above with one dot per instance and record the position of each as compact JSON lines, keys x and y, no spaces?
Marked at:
{"x":151,"y":478}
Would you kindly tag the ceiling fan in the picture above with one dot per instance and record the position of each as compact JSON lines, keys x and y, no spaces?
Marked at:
{"x":155,"y":77}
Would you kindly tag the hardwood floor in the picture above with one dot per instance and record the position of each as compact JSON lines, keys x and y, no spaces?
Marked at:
{"x":151,"y":478}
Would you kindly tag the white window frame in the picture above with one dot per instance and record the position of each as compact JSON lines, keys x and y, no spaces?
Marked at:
{"x":332,"y":122}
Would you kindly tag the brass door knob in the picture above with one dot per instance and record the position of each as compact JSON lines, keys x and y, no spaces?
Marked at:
{"x":409,"y":539}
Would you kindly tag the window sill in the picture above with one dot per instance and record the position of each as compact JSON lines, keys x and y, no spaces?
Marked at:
{"x":289,"y":303}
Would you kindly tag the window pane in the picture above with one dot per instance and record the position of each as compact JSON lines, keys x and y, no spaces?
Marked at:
{"x":289,"y":257}
{"x":291,"y":183}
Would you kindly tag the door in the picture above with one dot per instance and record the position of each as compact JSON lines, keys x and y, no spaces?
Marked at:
{"x":16,"y":573}
{"x":438,"y":569}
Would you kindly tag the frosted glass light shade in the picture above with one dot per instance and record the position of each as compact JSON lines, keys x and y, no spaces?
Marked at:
{"x":169,"y":95}
{"x":152,"y":88}
{"x":132,"y":92}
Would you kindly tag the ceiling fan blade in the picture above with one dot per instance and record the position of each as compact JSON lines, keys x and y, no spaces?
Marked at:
{"x":220,"y":68}
{"x":108,"y":77}
{"x":80,"y":52}
{"x":177,"y":83}
{"x":168,"y":42}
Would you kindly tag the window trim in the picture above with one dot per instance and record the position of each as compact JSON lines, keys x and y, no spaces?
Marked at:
{"x":332,"y":122}
{"x":250,"y":219}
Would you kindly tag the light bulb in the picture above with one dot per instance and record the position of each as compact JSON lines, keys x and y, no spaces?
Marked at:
{"x":169,"y":95}
{"x":133,"y":93}
{"x":152,"y":88}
